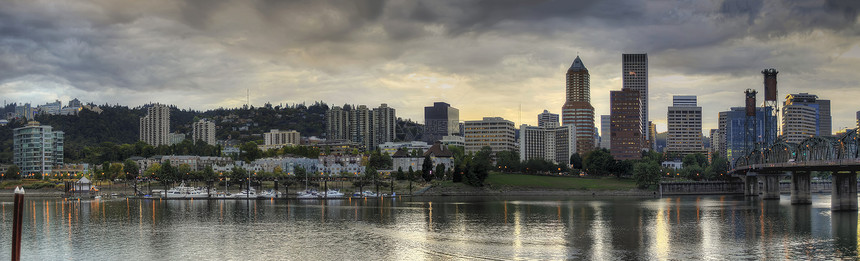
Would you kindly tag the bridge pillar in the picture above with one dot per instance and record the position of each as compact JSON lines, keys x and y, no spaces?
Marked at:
{"x":751,"y":184}
{"x":771,"y":186}
{"x":800,"y":188}
{"x":844,"y":192}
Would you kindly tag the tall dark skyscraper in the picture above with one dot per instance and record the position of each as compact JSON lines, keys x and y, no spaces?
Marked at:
{"x":577,"y":110}
{"x":440,"y":120}
{"x":634,"y":69}
{"x":627,"y":136}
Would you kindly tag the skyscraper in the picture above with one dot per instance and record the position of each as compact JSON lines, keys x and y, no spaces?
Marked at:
{"x":37,"y":148}
{"x":440,"y":120}
{"x":546,"y":119}
{"x":804,"y":116}
{"x":203,"y":130}
{"x":155,"y":126}
{"x":577,"y":110}
{"x":337,"y":123}
{"x":384,"y":122}
{"x":736,"y":132}
{"x":605,"y":132}
{"x":685,"y":126}
{"x":626,"y":130}
{"x":634,"y":74}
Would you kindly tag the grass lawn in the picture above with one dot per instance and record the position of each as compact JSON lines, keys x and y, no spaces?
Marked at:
{"x":531,"y":181}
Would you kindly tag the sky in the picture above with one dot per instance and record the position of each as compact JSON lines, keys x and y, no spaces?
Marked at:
{"x":494,"y":58}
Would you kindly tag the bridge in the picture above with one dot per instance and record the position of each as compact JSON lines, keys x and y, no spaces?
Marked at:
{"x":839,"y":155}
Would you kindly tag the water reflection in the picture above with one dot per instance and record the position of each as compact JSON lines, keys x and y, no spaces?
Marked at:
{"x":701,"y":227}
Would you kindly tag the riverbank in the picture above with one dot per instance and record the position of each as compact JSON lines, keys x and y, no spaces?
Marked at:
{"x":497,"y":184}
{"x":503,"y":184}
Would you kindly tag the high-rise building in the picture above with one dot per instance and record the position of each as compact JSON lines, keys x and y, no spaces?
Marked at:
{"x":685,"y":126}
{"x":825,"y":120}
{"x":605,"y":133}
{"x":712,"y":140}
{"x":337,"y":123}
{"x":367,"y":127}
{"x":804,"y":116}
{"x":626,"y":130}
{"x":735,"y":135}
{"x":554,"y":144}
{"x":275,"y":139}
{"x":495,"y":132}
{"x":577,"y":111}
{"x":37,"y":148}
{"x":652,"y":135}
{"x":723,"y":117}
{"x":360,"y":119}
{"x":384,"y":123}
{"x":203,"y":130}
{"x":547,"y":119}
{"x":440,"y":120}
{"x":634,"y":72}
{"x":155,"y":126}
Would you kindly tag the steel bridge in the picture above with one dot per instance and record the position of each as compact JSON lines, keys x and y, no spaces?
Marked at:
{"x":839,"y":155}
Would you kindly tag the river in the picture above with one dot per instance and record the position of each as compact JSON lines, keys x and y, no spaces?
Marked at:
{"x":688,"y":227}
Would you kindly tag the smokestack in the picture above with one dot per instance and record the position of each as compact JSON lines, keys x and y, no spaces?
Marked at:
{"x":750,"y":102}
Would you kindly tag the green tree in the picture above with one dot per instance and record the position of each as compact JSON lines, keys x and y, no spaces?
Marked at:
{"x":457,"y":175}
{"x":598,"y":162}
{"x":719,"y":167}
{"x":427,"y":168}
{"x":576,"y":161}
{"x":440,"y":171}
{"x":508,"y":161}
{"x":646,"y":173}
{"x":131,"y":169}
{"x":184,"y":171}
{"x":13,"y":172}
{"x":479,"y":167}
{"x":400,"y":175}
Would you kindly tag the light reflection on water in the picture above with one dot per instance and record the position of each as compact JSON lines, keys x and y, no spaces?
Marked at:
{"x":695,"y":227}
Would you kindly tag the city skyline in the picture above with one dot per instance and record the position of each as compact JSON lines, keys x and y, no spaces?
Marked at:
{"x":486,"y":59}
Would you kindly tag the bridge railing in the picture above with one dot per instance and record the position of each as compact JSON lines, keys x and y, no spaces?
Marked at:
{"x":814,"y":163}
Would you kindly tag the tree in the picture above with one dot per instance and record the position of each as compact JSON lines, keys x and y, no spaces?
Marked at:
{"x":131,"y":169}
{"x":479,"y":167}
{"x":621,"y":167}
{"x":184,"y":171}
{"x":400,"y":175}
{"x":646,"y":173}
{"x":250,"y":151}
{"x":13,"y":172}
{"x":427,"y":168}
{"x":440,"y":171}
{"x":598,"y":162}
{"x":718,"y":168}
{"x":576,"y":161}
{"x":508,"y":161}
{"x":238,"y":175}
{"x":457,"y":176}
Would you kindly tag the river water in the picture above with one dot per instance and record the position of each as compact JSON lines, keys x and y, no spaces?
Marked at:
{"x":689,"y":227}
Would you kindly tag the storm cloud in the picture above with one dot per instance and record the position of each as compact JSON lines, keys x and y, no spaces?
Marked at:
{"x":488,"y":58}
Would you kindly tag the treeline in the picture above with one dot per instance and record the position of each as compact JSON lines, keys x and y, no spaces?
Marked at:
{"x":86,"y":132}
{"x":112,"y":152}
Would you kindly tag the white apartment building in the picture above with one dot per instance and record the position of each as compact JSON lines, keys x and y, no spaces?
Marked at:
{"x":155,"y":126}
{"x":554,"y":144}
{"x":275,"y":139}
{"x":203,"y":130}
